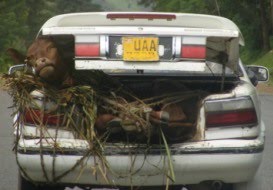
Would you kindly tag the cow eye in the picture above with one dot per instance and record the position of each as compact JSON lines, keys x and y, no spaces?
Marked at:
{"x":51,"y":46}
{"x":30,"y":60}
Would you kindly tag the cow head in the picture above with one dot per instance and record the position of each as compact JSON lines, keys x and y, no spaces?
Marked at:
{"x":46,"y":60}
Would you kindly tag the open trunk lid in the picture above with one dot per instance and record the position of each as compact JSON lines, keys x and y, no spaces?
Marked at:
{"x":176,"y":40}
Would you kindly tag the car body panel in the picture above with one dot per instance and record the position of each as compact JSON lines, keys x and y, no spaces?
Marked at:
{"x":82,"y":25}
{"x":181,"y":20}
{"x":239,"y":159}
{"x":230,"y":155}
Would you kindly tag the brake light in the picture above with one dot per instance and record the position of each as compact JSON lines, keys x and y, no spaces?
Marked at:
{"x":132,"y":16}
{"x":87,"y":45}
{"x":193,"y":52}
{"x":34,"y":116}
{"x":193,"y":47}
{"x":231,"y":118}
{"x":87,"y":50}
{"x":230,"y":112}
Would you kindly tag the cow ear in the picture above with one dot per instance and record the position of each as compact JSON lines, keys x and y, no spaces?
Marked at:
{"x":16,"y":56}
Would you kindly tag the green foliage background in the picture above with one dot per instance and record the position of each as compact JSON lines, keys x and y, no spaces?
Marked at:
{"x":20,"y":20}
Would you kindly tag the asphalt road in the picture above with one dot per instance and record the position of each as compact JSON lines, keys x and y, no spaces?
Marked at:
{"x":264,"y":176}
{"x":9,"y":173}
{"x":8,"y":169}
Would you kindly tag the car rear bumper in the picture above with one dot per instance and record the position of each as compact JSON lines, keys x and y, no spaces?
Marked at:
{"x":230,"y":161}
{"x":188,"y":169}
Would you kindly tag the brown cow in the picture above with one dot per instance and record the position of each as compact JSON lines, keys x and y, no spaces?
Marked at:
{"x":46,"y":60}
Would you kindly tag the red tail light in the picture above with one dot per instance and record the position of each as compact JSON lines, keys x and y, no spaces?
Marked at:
{"x":231,"y":118}
{"x":87,"y":50}
{"x":132,"y":16}
{"x":230,"y":112}
{"x":33,"y":116}
{"x":193,"y":52}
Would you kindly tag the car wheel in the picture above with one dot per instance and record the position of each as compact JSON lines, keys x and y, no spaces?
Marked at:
{"x":24,"y":184}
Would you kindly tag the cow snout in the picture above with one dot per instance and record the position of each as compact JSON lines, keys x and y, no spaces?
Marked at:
{"x":41,"y":63}
{"x":45,"y":69}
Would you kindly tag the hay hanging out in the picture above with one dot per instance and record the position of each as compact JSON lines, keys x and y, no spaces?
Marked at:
{"x":96,"y":108}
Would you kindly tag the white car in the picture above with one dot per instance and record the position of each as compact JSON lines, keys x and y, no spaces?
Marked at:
{"x":200,"y":53}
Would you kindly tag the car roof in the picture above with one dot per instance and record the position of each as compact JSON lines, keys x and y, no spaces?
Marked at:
{"x":177,"y":20}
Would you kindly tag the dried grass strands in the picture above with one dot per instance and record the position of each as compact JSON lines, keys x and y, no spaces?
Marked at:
{"x":20,"y":86}
{"x":79,"y":107}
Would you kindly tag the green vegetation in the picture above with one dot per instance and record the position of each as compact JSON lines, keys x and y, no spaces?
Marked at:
{"x":121,"y":5}
{"x":261,"y":58}
{"x":254,"y":18}
{"x":21,"y":20}
{"x":267,"y":61}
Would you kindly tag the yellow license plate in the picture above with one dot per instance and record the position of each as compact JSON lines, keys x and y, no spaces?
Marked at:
{"x":140,"y":48}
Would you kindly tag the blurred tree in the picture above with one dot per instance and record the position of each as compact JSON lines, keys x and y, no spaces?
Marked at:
{"x":264,"y":25}
{"x":245,"y":14}
{"x":250,"y":15}
{"x":39,"y":12}
{"x":20,"y":21}
{"x":187,"y":6}
{"x":68,"y":6}
{"x":13,"y":28}
{"x":271,"y":14}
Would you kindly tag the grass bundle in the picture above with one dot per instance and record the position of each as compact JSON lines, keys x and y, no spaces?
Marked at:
{"x":79,"y":107}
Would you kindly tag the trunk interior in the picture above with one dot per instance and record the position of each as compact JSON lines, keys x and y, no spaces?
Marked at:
{"x":174,"y":101}
{"x":175,"y":104}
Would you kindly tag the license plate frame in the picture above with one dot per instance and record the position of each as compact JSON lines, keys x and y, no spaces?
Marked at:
{"x":140,"y":48}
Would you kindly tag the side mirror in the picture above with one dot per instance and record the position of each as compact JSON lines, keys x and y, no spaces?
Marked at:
{"x":21,"y":67}
{"x":261,"y":73}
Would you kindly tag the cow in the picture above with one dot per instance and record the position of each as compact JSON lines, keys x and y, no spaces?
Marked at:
{"x":47,"y":61}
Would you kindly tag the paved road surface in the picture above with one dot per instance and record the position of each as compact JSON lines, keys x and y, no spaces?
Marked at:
{"x":264,"y":176}
{"x":8,"y":169}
